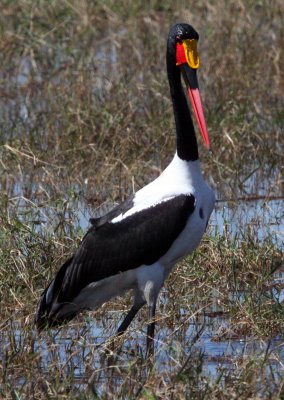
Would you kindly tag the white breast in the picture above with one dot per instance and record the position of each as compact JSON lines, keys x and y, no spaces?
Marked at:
{"x":192,"y":234}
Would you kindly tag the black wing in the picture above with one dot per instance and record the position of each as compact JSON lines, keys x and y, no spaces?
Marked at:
{"x":111,"y":248}
{"x":141,"y":238}
{"x":115,"y":212}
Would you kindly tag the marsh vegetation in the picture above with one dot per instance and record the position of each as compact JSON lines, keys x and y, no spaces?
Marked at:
{"x":86,"y":119}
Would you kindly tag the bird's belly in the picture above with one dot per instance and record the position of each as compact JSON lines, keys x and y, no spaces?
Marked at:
{"x":97,"y":293}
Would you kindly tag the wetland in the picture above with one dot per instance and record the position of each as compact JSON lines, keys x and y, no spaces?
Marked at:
{"x":85,"y":120}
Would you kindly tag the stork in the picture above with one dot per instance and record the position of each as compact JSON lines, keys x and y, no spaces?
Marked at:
{"x":137,"y":244}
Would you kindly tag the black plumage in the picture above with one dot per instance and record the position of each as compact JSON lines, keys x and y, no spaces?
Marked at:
{"x":110,"y":248}
{"x":115,"y":212}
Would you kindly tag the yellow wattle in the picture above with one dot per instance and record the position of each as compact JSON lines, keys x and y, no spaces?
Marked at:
{"x":191,"y":54}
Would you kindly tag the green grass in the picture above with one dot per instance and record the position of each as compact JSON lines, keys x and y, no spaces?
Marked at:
{"x":85,"y":118}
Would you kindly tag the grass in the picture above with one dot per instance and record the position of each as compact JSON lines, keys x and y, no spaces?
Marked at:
{"x":85,"y":120}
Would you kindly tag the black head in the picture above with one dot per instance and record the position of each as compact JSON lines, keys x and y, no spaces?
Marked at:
{"x":179,"y":32}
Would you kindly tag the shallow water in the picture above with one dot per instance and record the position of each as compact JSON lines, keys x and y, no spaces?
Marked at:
{"x":262,"y":217}
{"x":258,"y":210}
{"x":81,"y":350}
{"x":198,"y":338}
{"x":255,"y":212}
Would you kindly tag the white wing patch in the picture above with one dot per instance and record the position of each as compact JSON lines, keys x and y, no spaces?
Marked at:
{"x":180,"y":177}
{"x":137,"y":208}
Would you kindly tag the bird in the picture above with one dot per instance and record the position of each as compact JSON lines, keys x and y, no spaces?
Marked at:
{"x":137,"y":244}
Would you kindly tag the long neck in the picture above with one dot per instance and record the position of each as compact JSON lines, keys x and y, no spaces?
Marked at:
{"x":186,"y":140}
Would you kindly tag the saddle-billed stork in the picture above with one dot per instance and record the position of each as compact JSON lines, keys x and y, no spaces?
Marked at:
{"x":136,"y":245}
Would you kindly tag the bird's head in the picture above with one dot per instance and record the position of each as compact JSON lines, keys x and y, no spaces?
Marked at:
{"x":183,"y":41}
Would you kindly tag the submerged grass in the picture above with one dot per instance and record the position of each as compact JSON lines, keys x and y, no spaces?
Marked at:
{"x":86,"y":119}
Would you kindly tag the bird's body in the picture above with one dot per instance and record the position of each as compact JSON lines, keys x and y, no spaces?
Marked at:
{"x":137,"y":244}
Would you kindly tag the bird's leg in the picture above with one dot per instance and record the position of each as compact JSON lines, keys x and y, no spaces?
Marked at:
{"x":151,"y":330}
{"x":129,"y":317}
{"x":110,"y":345}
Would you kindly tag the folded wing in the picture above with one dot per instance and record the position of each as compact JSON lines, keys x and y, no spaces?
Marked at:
{"x":111,"y":248}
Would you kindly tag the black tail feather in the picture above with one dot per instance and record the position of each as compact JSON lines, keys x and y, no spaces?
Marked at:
{"x":45,"y":316}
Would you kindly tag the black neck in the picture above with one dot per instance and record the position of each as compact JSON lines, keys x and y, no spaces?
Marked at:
{"x":186,"y":140}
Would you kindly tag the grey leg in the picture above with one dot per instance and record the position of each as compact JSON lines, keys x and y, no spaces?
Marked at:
{"x":151,"y":330}
{"x":129,"y":317}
